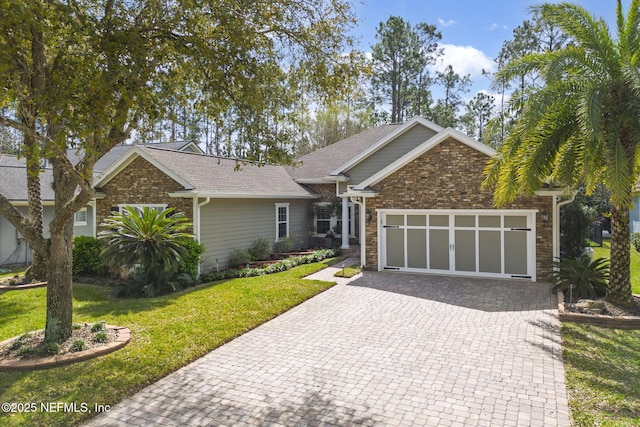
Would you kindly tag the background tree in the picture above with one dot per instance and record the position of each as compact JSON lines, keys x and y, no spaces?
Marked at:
{"x":479,"y":112}
{"x":104,"y":65}
{"x":445,"y":112}
{"x":583,"y":125}
{"x":399,"y":62}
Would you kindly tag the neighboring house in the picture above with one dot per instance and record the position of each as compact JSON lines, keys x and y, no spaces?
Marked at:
{"x":13,"y":185}
{"x":410,"y":194}
{"x":634,"y":215}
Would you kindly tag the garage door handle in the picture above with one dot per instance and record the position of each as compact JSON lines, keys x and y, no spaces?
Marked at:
{"x":520,"y":229}
{"x":391,"y":226}
{"x":517,"y":276}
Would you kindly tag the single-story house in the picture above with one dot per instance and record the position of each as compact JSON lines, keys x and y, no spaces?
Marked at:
{"x":13,"y":185}
{"x":411,"y":194}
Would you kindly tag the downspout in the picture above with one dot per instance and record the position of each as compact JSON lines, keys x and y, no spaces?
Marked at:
{"x":363,"y":225}
{"x":196,"y":220}
{"x":556,"y":222}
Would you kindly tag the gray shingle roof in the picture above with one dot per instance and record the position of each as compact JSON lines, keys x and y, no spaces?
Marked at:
{"x":320,"y":163}
{"x":13,"y":180}
{"x":218,"y":176}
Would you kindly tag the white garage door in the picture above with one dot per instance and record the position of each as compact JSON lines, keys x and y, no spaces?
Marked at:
{"x":492,"y":243}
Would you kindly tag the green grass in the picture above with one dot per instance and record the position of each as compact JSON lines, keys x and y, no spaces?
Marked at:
{"x":167,"y":333}
{"x":603,"y":375}
{"x":15,"y":271}
{"x":349,"y":271}
{"x":605,"y":252}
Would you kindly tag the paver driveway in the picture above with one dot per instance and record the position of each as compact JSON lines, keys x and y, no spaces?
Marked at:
{"x":387,"y":349}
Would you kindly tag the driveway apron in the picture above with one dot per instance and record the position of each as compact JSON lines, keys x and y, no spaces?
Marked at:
{"x":387,"y":349}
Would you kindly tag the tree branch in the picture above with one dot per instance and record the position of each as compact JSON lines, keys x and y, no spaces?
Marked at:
{"x":22,"y":223}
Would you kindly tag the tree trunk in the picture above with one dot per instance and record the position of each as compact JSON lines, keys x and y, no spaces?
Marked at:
{"x":60,"y":264}
{"x":620,"y":282}
{"x":59,"y":290}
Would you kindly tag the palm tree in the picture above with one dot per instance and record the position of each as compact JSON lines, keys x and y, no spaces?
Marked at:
{"x":582,"y":126}
{"x":149,"y":239}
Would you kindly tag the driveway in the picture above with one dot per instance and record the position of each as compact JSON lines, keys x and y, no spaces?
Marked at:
{"x":387,"y":349}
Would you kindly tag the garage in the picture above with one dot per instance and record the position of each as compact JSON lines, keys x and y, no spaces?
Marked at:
{"x":488,"y":243}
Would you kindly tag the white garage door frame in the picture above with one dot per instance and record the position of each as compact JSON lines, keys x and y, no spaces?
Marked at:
{"x":529,"y":229}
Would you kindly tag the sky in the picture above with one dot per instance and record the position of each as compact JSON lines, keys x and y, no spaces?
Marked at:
{"x":472,"y":30}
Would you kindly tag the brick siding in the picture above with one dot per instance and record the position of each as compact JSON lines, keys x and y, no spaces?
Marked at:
{"x":141,"y":183}
{"x":449,"y":176}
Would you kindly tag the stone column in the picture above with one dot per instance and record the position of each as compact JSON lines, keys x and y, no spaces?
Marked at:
{"x":345,"y":223}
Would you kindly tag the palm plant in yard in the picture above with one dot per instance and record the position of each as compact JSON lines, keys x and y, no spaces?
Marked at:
{"x":149,"y":241}
{"x":582,"y":125}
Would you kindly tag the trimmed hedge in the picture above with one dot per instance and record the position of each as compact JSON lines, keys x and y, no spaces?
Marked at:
{"x":87,"y":258}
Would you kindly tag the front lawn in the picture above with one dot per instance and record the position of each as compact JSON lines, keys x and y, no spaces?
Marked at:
{"x":167,"y":333}
{"x":603,"y":375}
{"x":605,"y":252}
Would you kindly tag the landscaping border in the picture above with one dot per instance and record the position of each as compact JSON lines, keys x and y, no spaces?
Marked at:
{"x":20,"y":287}
{"x":615,"y":322}
{"x":123,"y":338}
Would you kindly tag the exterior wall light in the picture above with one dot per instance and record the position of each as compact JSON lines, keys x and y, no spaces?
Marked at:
{"x":545,"y":216}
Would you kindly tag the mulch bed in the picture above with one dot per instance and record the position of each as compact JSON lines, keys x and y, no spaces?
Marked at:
{"x":31,"y":345}
{"x":612,"y":309}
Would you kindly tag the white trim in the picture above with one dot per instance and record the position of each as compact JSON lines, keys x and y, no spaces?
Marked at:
{"x":197,"y":221}
{"x":382,"y":142}
{"x":199,"y":194}
{"x":158,"y":206}
{"x":530,"y":215}
{"x":84,"y":223}
{"x":423,"y":148}
{"x":278,"y":222}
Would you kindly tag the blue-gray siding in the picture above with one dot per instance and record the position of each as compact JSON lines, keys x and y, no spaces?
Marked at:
{"x":228,"y":224}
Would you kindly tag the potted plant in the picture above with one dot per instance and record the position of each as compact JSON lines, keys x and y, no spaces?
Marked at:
{"x":329,"y":238}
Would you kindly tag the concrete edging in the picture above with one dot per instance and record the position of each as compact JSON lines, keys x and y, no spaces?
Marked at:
{"x":616,"y":322}
{"x":123,"y":338}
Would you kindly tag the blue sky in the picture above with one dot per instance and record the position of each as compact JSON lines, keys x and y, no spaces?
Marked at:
{"x":472,"y":31}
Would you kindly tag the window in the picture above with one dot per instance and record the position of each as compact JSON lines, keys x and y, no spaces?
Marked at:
{"x":282,"y":220}
{"x":324,"y":221}
{"x":80,"y":218}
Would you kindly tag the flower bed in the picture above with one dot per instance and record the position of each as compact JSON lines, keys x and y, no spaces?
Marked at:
{"x":273,"y":267}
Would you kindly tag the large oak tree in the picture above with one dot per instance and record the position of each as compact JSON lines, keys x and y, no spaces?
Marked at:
{"x":82,"y":74}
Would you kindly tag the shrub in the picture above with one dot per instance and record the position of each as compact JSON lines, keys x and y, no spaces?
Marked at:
{"x":87,"y":256}
{"x":191,"y":259}
{"x":260,"y":249}
{"x":285,"y":244}
{"x":635,"y":241}
{"x":77,"y":345}
{"x":239,"y":257}
{"x":589,"y":279}
{"x":98,"y":326}
{"x":150,"y":242}
{"x":51,"y":348}
{"x":576,"y":229}
{"x":100,"y":337}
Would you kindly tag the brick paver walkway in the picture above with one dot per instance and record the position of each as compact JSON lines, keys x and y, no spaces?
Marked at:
{"x":386,"y":350}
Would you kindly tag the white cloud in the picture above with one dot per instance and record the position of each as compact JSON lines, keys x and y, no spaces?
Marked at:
{"x":445,"y":24}
{"x":464,"y":60}
{"x":496,"y":26}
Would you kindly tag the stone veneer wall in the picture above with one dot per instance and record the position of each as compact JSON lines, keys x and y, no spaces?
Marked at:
{"x":141,"y":183}
{"x":448,"y":177}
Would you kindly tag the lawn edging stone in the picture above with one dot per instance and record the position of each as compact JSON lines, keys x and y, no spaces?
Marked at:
{"x":123,"y":338}
{"x":21,"y":287}
{"x":615,"y":322}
